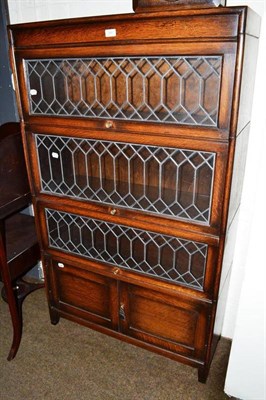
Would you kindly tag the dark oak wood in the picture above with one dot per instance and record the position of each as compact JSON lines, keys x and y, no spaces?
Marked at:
{"x":224,"y":24}
{"x":14,"y":186}
{"x":155,"y":5}
{"x":153,"y":317}
{"x":106,"y":307}
{"x":19,"y":249}
{"x":89,"y":163}
{"x":87,"y":295}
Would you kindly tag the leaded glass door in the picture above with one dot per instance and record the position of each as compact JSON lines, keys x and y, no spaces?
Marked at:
{"x":161,"y":256}
{"x":168,"y":89}
{"x":166,"y":181}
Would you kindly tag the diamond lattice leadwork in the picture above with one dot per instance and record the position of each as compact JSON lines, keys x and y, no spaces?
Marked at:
{"x":161,"y":180}
{"x":166,"y":257}
{"x":180,"y":90}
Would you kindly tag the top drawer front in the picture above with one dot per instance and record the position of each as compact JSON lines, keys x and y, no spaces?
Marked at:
{"x":216,"y":23}
{"x":171,"y":89}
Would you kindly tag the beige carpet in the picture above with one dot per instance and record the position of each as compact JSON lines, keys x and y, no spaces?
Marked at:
{"x":71,"y":362}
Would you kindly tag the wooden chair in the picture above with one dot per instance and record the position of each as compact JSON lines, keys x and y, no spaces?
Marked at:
{"x":19,"y":249}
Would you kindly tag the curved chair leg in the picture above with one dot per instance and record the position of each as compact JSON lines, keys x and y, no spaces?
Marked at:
{"x":17,"y":330}
{"x":12,"y":303}
{"x":15,"y":300}
{"x":16,"y":317}
{"x":21,"y":290}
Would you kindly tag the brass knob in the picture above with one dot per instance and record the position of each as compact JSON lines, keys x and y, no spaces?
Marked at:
{"x":116,"y":271}
{"x":113,"y":211}
{"x":109,"y":124}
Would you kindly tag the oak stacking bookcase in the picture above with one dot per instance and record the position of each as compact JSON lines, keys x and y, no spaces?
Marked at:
{"x":135,"y":132}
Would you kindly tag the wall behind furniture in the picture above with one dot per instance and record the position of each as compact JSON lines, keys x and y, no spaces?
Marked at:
{"x":8,"y":109}
{"x":39,"y":10}
{"x":245,"y":310}
{"x":242,"y":323}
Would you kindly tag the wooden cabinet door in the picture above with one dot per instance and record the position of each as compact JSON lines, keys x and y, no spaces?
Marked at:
{"x":82,"y":294}
{"x":172,"y":322}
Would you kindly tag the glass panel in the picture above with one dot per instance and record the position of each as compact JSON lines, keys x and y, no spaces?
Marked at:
{"x":159,"y":180}
{"x":162,"y":256}
{"x":180,"y":90}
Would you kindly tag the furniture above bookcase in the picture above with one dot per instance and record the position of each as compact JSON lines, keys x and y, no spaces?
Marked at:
{"x":132,"y":127}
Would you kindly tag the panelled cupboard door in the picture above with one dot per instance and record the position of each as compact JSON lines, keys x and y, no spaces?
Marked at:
{"x":176,"y":179}
{"x":175,"y":323}
{"x":150,"y":90}
{"x":85,"y":295}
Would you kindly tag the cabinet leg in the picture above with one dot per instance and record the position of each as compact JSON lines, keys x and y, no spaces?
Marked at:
{"x":54,"y":316}
{"x":203,"y":374}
